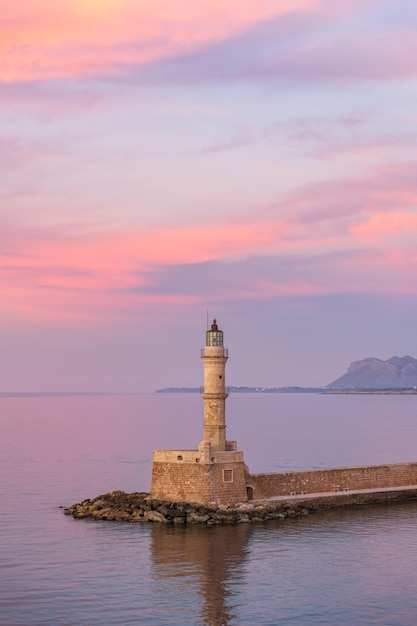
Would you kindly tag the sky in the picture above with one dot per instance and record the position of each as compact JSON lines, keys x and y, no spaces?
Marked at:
{"x":165,"y":161}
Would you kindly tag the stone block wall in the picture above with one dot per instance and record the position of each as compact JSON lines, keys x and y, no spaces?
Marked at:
{"x":265,"y":486}
{"x":220,"y":483}
{"x":179,"y":481}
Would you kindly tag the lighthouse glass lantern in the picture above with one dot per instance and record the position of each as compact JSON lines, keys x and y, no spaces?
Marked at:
{"x":214,"y":336}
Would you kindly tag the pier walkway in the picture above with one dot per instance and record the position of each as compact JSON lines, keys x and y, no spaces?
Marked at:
{"x":348,"y":497}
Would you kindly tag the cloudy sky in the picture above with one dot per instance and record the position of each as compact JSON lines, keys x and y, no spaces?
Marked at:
{"x":162,"y":158}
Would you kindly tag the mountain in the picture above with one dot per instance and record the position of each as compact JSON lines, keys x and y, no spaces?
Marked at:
{"x":371,"y":373}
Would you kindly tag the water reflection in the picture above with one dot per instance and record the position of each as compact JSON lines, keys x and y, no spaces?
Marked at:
{"x":209,"y":559}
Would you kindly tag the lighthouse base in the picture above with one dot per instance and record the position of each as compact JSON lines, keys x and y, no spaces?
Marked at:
{"x":201,"y":475}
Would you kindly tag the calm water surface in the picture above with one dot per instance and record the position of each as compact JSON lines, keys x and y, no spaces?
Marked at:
{"x":357,"y":566}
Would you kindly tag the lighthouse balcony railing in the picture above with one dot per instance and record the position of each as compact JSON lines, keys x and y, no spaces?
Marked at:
{"x":224,"y":352}
{"x":226,"y":390}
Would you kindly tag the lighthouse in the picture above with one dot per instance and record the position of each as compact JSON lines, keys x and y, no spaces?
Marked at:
{"x":214,"y":356}
{"x":215,"y":472}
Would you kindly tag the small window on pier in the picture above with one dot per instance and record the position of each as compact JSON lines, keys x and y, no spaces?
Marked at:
{"x":228,"y":476}
{"x":179,"y":457}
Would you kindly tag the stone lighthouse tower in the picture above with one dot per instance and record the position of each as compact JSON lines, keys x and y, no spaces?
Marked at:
{"x":214,"y":356}
{"x":215,"y":472}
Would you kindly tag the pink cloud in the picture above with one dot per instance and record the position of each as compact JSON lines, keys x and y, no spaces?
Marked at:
{"x":353,"y":135}
{"x":388,"y":226}
{"x":12,"y":152}
{"x":91,"y":38}
{"x":47,"y":271}
{"x":81,"y":38}
{"x":324,"y":137}
{"x":343,"y":202}
{"x":78,"y":272}
{"x":56,"y":276}
{"x":320,"y":41}
{"x":384,"y":56}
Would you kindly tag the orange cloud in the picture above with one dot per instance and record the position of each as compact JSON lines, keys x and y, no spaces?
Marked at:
{"x":78,"y":38}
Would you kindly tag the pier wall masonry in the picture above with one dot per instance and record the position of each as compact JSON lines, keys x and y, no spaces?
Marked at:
{"x":264,"y":486}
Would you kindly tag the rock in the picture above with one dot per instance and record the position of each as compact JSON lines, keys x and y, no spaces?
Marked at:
{"x":137,"y":516}
{"x":225,"y":517}
{"x":259,"y":512}
{"x":244,"y":508}
{"x":197,"y":518}
{"x":163,"y":510}
{"x":273,"y":515}
{"x":155,"y":516}
{"x":173,"y":513}
{"x":140,"y":507}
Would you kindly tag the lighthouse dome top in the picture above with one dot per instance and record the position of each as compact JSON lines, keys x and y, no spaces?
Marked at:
{"x":214,"y":336}
{"x":214,"y":325}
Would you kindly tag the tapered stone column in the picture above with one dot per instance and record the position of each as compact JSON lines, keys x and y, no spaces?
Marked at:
{"x":214,"y":356}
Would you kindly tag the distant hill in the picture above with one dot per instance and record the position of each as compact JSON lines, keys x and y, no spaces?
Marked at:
{"x":371,"y":373}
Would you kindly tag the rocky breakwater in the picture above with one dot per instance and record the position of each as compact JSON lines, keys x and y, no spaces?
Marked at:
{"x":118,"y":506}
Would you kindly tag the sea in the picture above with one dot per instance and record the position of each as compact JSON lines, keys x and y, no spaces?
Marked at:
{"x":353,"y":566}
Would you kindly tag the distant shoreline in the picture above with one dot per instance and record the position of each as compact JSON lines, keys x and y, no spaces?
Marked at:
{"x":259,"y":390}
{"x":322,"y":390}
{"x":238,"y":389}
{"x":383,"y":392}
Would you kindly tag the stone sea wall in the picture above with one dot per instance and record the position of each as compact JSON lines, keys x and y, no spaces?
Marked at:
{"x":332,"y":480}
{"x":141,"y":507}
